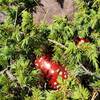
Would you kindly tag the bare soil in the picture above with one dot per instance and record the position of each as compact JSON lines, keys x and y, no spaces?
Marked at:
{"x":50,"y":8}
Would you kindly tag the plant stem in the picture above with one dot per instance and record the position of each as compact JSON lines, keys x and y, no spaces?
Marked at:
{"x":89,"y":72}
{"x":55,"y":42}
{"x":9,"y":74}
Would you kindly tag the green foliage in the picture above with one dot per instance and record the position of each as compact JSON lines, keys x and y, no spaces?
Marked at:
{"x":61,"y":30}
{"x":4,"y":82}
{"x":80,"y":93}
{"x":96,"y":84}
{"x":6,"y":1}
{"x":19,"y":68}
{"x":20,"y":38}
{"x":26,"y":21}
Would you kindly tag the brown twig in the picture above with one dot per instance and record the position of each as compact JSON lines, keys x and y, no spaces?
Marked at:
{"x":3,"y":71}
{"x":9,"y":74}
{"x":89,"y":72}
{"x":95,"y":94}
{"x":57,"y":43}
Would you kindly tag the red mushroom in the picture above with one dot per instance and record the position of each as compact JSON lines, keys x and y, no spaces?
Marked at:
{"x":79,"y":40}
{"x":51,"y":70}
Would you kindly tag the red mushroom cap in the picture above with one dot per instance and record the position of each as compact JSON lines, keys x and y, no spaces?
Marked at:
{"x":51,"y":70}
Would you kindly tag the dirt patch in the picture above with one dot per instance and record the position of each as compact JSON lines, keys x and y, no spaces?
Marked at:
{"x":50,"y":8}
